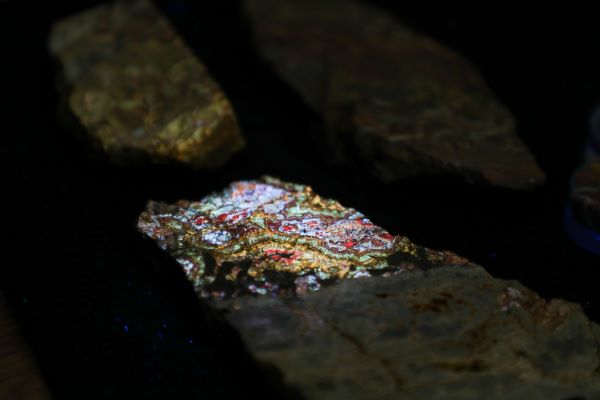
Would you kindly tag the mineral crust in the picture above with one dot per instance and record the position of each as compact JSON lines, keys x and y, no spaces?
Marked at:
{"x":270,"y":236}
{"x":398,"y":100}
{"x":138,"y":92}
{"x":586,"y":195}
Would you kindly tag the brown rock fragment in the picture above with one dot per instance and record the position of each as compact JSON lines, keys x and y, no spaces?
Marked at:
{"x":402,"y":102}
{"x":138,"y":91}
{"x":20,"y":377}
{"x":448,"y":333}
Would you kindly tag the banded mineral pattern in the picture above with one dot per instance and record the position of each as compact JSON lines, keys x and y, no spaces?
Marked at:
{"x":399,"y":101}
{"x":586,"y":195}
{"x":138,"y":92}
{"x":270,"y":236}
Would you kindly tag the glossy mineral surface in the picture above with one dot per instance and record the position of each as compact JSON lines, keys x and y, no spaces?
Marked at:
{"x":138,"y":92}
{"x":270,"y":236}
{"x":401,"y":102}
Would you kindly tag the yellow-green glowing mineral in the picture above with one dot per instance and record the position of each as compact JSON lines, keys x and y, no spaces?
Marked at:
{"x":138,"y":92}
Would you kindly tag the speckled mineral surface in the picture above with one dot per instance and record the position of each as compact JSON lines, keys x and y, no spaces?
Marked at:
{"x":345,"y":310}
{"x":401,"y":102}
{"x":270,"y":236}
{"x":448,"y":333}
{"x":138,"y":92}
{"x":586,"y":195}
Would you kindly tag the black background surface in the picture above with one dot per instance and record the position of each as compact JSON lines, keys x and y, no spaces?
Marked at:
{"x":107,"y":320}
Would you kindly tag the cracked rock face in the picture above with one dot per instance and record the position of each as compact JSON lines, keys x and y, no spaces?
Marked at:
{"x":344,"y":310}
{"x":586,"y":195}
{"x":452,"y":332}
{"x":135,"y":89}
{"x":401,"y":102}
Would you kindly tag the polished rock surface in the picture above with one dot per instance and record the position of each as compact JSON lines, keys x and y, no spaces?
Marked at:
{"x":401,"y":102}
{"x":138,"y":92}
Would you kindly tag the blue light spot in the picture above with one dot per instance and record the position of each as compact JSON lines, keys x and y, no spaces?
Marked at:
{"x":126,"y":328}
{"x":164,"y":325}
{"x":160,"y":335}
{"x":190,"y":340}
{"x":580,"y":234}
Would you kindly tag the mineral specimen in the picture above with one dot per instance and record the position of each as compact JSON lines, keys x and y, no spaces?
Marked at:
{"x":138,"y":91}
{"x":270,"y":236}
{"x":421,"y":324}
{"x":400,"y":101}
{"x":586,"y":195}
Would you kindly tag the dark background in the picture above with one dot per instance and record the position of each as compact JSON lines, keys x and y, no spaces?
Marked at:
{"x":107,"y":319}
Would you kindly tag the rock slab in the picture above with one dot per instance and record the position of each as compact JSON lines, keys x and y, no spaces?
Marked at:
{"x":449,"y":333}
{"x":401,"y":102}
{"x":138,"y":92}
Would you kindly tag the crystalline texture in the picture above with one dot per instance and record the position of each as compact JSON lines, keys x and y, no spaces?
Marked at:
{"x":272,"y":236}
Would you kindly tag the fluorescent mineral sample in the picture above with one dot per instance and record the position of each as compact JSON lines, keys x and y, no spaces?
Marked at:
{"x":135,"y":90}
{"x":269,"y":236}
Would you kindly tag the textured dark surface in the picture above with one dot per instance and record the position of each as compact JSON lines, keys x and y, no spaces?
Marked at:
{"x":75,"y":272}
{"x":452,"y":332}
{"x":404,"y":103}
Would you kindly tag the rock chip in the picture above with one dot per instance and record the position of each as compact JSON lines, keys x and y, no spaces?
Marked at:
{"x":400,"y":101}
{"x":138,"y":91}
